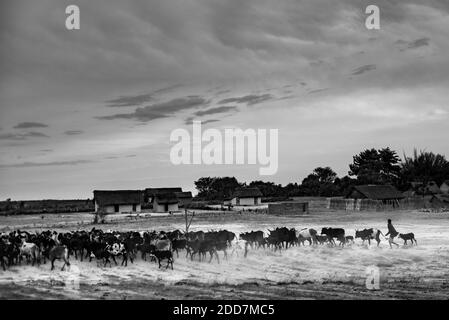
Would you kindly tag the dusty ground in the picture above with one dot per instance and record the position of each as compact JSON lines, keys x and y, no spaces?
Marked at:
{"x":407,"y":272}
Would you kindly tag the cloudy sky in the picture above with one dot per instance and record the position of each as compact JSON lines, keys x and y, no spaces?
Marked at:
{"x":94,"y":108}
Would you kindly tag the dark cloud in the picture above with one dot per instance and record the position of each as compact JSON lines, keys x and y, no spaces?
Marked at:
{"x":73,"y":132}
{"x":22,"y":136}
{"x":216,"y":110}
{"x":27,"y":125}
{"x":248,"y":99}
{"x":363,"y":69}
{"x":189,"y":121}
{"x":418,"y":43}
{"x":160,"y":110}
{"x":409,"y":45}
{"x":130,"y":101}
{"x":317,"y":90}
{"x":137,"y":100}
{"x":45,"y":164}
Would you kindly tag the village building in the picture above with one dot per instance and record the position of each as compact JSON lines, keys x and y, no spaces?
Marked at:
{"x":418,"y":188}
{"x":118,"y":201}
{"x":184,"y":197}
{"x":440,"y":200}
{"x":432,"y":188}
{"x":246,"y":197}
{"x":167,"y":199}
{"x":165,"y":202}
{"x":375,"y":192}
{"x":150,"y":193}
{"x":288,"y":208}
{"x":444,"y":188}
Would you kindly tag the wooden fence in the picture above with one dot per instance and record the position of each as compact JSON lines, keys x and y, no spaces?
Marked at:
{"x":377,"y":205}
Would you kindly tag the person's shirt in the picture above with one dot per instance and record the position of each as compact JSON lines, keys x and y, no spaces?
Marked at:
{"x":391,"y":230}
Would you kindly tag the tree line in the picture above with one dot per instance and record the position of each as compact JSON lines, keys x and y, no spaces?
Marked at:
{"x":371,"y":166}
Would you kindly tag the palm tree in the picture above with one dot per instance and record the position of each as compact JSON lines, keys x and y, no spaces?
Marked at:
{"x":424,"y":167}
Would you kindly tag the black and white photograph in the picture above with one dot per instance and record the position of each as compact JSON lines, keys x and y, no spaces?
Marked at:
{"x":224,"y":150}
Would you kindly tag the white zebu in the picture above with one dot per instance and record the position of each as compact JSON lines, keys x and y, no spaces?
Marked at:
{"x":308,"y":234}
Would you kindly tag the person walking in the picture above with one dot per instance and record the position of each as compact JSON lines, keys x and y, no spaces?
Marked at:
{"x":392,"y":232}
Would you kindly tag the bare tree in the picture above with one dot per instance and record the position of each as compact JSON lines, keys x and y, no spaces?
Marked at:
{"x":188,"y":222}
{"x":100,"y":216}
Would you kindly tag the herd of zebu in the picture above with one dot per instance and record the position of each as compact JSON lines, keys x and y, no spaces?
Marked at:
{"x":105,"y":246}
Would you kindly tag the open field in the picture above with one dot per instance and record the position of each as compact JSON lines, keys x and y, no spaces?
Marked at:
{"x":322,"y":272}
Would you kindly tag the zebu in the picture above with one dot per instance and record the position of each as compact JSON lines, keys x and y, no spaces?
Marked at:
{"x":308,"y":234}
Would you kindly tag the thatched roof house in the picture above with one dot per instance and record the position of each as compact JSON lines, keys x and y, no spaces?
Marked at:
{"x":184,"y":197}
{"x":444,"y":188}
{"x":118,"y":201}
{"x":432,"y":188}
{"x":246,"y":197}
{"x":375,"y":192}
{"x":440,"y":200}
{"x":167,"y":199}
{"x":150,"y":193}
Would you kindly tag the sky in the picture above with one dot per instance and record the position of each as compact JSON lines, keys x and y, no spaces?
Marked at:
{"x":94,"y":108}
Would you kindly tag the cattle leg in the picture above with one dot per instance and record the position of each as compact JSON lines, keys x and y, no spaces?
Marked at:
{"x":216,"y":254}
{"x":211,"y":256}
{"x":113,"y":258}
{"x":53,"y":263}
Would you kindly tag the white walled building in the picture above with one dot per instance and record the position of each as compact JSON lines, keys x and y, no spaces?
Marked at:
{"x":246,"y":197}
{"x":118,"y":201}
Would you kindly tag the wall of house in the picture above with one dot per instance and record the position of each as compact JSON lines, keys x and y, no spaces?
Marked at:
{"x":376,"y":205}
{"x":444,"y":188}
{"x":288,"y":208}
{"x":184,"y":201}
{"x":161,"y":207}
{"x":122,"y":208}
{"x":246,"y":201}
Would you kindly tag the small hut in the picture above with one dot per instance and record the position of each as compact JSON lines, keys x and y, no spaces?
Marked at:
{"x":440,"y":201}
{"x":184,"y":197}
{"x":246,"y":197}
{"x":165,"y":202}
{"x":444,"y":188}
{"x":167,"y":199}
{"x":118,"y":201}
{"x":387,"y":194}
